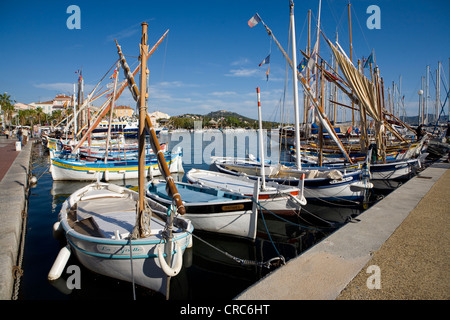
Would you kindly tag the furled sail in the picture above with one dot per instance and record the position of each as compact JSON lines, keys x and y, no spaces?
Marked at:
{"x":307,"y":89}
{"x":367,"y":95}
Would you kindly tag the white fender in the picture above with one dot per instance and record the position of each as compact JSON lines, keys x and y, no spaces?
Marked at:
{"x":106,"y":176}
{"x":59,"y":264}
{"x":171,"y":272}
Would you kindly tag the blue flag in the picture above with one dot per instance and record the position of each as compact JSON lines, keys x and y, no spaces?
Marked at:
{"x":302,"y":65}
{"x":368,"y":61}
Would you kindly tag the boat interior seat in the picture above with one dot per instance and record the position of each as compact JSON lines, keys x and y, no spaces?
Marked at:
{"x":190,"y":195}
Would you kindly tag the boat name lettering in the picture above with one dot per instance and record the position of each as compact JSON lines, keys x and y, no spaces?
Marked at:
{"x":233,"y":207}
{"x":341,"y":180}
{"x":119,"y":250}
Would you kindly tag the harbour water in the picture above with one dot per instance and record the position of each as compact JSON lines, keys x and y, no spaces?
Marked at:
{"x":216,"y":267}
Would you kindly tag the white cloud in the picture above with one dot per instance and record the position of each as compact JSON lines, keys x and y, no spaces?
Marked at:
{"x":62,"y":87}
{"x":240,"y":62}
{"x":223,"y":93}
{"x":58,"y":86}
{"x":242,"y":73}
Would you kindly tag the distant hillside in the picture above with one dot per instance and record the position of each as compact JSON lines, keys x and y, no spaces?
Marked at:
{"x":224,"y":113}
{"x":414,"y":120}
{"x":218,"y":119}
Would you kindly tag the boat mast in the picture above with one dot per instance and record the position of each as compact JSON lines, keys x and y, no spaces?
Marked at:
{"x":321,"y":114}
{"x":108,"y":137}
{"x":351,"y":54}
{"x":142,"y":114}
{"x":74,"y":115}
{"x":261,"y":142}
{"x":156,"y":147}
{"x":308,"y":50}
{"x":295,"y":88}
{"x":427,"y":93}
{"x":438,"y":91}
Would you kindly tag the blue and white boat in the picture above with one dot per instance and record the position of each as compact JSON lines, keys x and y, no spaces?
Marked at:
{"x":98,"y":222}
{"x":321,"y":183}
{"x":72,"y":169}
{"x":211,"y":209}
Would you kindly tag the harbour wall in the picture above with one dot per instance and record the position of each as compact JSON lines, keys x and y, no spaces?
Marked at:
{"x":14,"y":190}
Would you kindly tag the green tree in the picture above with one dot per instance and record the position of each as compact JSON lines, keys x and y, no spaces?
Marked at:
{"x":7,"y":107}
{"x":39,"y":115}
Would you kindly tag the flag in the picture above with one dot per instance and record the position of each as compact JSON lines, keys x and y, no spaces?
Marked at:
{"x":265,"y":61}
{"x":330,"y":77}
{"x":254,"y":20}
{"x":114,"y":75}
{"x":79,"y":75}
{"x":368,"y":61}
{"x":301,"y":67}
{"x":312,"y":59}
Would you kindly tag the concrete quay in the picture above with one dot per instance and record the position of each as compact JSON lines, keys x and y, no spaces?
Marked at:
{"x":14,"y":173}
{"x":406,"y":236}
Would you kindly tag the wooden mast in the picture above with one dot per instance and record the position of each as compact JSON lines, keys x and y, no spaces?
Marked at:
{"x":142,"y":114}
{"x":320,"y":160}
{"x":105,"y":111}
{"x":308,"y":50}
{"x":351,"y":52}
{"x":156,"y":147}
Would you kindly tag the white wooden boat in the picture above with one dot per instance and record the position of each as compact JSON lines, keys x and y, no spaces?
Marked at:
{"x":396,"y":169}
{"x":211,"y":209}
{"x":118,"y":232}
{"x":98,"y":220}
{"x":279,"y":199}
{"x":327,"y":183}
{"x":71,"y":169}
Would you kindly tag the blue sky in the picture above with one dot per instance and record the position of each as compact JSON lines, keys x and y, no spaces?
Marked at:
{"x":209,"y":61}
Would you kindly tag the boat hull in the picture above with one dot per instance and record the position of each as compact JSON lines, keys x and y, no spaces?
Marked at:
{"x":62,"y":169}
{"x":351,"y":186}
{"x":111,"y":253}
{"x":279,"y":199}
{"x":234,"y":216}
{"x":394,"y":170}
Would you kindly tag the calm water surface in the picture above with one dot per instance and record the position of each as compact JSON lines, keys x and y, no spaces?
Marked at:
{"x":207,"y":273}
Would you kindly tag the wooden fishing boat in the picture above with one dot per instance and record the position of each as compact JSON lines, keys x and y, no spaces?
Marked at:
{"x":211,"y":209}
{"x":72,"y":169}
{"x":98,"y":222}
{"x":320,"y":183}
{"x":118,"y":232}
{"x":115,"y":154}
{"x":280,"y":199}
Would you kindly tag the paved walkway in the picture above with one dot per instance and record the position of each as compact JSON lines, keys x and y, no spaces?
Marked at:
{"x":407,"y":235}
{"x":415,"y":261}
{"x":8,"y":154}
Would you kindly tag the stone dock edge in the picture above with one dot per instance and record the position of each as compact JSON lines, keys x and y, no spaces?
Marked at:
{"x":13,"y":203}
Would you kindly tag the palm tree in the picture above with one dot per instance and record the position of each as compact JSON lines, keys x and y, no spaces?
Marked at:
{"x":39,"y":114}
{"x":7,"y":106}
